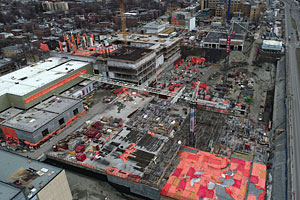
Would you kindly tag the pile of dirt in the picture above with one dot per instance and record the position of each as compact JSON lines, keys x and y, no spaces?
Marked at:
{"x":237,"y":56}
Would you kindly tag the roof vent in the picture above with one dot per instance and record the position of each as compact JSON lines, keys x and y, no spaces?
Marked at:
{"x":23,"y":78}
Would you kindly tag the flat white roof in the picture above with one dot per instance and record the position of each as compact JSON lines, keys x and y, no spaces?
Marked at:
{"x":150,"y":39}
{"x":31,"y":120}
{"x":49,"y":63}
{"x":4,"y":87}
{"x":69,"y":66}
{"x":30,"y":78}
{"x":272,"y":42}
{"x":156,"y":24}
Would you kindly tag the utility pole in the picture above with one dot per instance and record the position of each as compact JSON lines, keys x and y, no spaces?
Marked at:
{"x":123,"y":21}
{"x":226,"y":65}
{"x":193,"y":111}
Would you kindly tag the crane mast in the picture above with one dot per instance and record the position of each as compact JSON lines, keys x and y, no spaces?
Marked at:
{"x":123,"y":21}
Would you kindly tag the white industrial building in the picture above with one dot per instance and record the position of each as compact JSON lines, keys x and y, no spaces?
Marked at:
{"x":272,"y":45}
{"x":30,"y":85}
{"x":155,"y":27}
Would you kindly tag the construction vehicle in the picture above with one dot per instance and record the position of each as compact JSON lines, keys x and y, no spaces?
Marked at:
{"x":248,"y":99}
{"x":87,"y":102}
{"x":91,"y":96}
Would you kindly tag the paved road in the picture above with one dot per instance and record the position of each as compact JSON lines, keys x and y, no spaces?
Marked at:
{"x":293,"y":97}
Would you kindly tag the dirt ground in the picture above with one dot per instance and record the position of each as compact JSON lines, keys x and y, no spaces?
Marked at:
{"x":86,"y":188}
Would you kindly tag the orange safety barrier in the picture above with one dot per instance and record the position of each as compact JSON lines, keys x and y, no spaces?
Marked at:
{"x":44,"y":47}
{"x":83,"y":112}
{"x":109,"y":136}
{"x":151,"y":133}
{"x":131,"y":148}
{"x":72,"y":38}
{"x":69,"y":43}
{"x":75,"y":48}
{"x":49,"y":89}
{"x":69,"y":122}
{"x":53,"y":133}
{"x":60,"y":46}
{"x":9,"y":132}
{"x":122,"y":174}
{"x":86,"y":165}
{"x":75,"y":117}
{"x":78,"y":38}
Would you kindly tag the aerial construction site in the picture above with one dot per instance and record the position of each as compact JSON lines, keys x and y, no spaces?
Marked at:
{"x":154,"y":114}
{"x":195,"y":130}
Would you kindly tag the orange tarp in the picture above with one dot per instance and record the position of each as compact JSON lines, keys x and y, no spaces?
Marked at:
{"x":195,"y":171}
{"x":9,"y":132}
{"x":44,"y":47}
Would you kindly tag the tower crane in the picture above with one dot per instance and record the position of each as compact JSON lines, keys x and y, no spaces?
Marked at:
{"x":123,"y":21}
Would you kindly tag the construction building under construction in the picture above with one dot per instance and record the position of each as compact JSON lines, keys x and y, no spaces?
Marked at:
{"x":132,"y":64}
{"x":166,"y":47}
{"x":166,"y":51}
{"x":135,"y":160}
{"x":129,"y":155}
{"x":230,"y":135}
{"x":30,"y":85}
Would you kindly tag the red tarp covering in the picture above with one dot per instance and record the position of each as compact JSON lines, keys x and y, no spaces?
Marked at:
{"x":9,"y":132}
{"x":204,"y":192}
{"x":165,"y":189}
{"x":262,"y":196}
{"x":227,"y":176}
{"x":237,"y":183}
{"x":241,"y":167}
{"x":235,"y":160}
{"x":191,"y":172}
{"x":181,"y":185}
{"x":214,"y":161}
{"x":44,"y":47}
{"x":254,"y":179}
{"x":98,"y":125}
{"x":193,"y":157}
{"x":98,"y":136}
{"x":177,"y":172}
{"x":228,"y":191}
{"x":79,"y":148}
{"x":203,"y":85}
{"x":92,"y":132}
{"x":80,"y":157}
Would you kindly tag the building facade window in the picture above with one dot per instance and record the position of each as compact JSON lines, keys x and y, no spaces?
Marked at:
{"x":45,"y":132}
{"x":61,"y":121}
{"x":75,"y":112}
